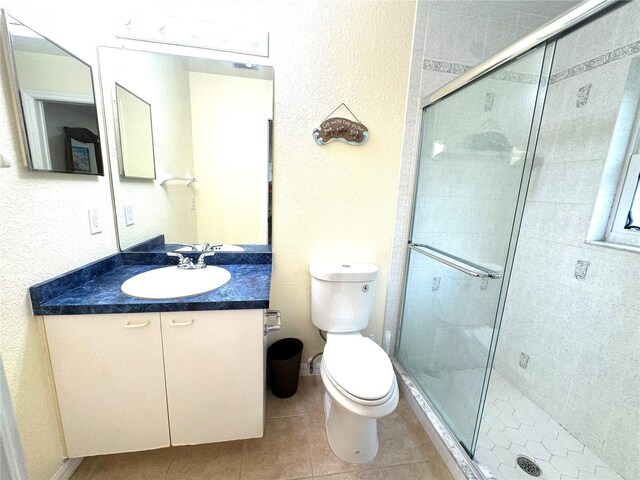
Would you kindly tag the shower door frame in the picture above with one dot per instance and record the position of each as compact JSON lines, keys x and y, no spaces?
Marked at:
{"x":536,"y":120}
{"x":548,"y":35}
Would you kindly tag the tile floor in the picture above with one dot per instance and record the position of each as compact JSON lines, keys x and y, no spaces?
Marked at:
{"x":513,"y":425}
{"x":294,"y":446}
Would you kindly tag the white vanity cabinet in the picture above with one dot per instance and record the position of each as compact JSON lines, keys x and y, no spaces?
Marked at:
{"x":214,"y":369}
{"x":129,"y":382}
{"x":109,"y":379}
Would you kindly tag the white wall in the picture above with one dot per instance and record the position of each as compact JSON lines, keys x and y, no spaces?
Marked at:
{"x":230,"y":155}
{"x":66,"y":74}
{"x":334,"y":202}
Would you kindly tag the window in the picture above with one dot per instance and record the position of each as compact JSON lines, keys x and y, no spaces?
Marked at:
{"x":625,"y":219}
{"x":615,"y":221}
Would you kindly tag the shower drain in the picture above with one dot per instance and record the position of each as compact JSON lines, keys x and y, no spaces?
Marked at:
{"x":529,"y":466}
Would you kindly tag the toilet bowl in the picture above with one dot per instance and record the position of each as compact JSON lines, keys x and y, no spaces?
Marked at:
{"x":356,"y":372}
{"x":360,"y":388}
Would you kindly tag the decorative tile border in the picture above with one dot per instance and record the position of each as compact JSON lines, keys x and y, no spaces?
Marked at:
{"x":458,"y":69}
{"x":444,"y":67}
{"x":599,"y":61}
{"x":528,"y":78}
{"x":459,"y":455}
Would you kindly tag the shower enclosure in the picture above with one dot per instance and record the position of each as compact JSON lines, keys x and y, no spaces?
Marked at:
{"x":486,"y":149}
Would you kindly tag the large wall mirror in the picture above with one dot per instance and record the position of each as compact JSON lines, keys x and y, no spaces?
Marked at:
{"x":207,"y":123}
{"x":53,"y":91}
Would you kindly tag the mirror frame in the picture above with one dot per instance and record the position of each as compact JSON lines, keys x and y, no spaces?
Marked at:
{"x":18,"y":105}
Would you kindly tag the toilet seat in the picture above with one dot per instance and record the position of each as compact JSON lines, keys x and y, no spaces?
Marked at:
{"x":359,"y":368}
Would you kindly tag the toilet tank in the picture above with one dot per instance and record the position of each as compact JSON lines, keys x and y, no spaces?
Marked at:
{"x":342,"y":295}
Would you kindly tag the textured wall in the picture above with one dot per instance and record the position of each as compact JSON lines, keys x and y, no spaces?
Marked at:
{"x":45,"y":217}
{"x":335,"y":202}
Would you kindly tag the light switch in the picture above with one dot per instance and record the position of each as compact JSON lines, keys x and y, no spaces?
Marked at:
{"x":128,"y":215}
{"x":95,"y":223}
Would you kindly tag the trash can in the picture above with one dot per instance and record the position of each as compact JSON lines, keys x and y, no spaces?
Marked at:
{"x":283,"y":360}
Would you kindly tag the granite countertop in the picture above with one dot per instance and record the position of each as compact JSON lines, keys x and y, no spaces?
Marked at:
{"x":95,"y":289}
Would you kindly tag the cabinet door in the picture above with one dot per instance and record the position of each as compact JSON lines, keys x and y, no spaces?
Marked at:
{"x":214,"y":364}
{"x":109,"y":378}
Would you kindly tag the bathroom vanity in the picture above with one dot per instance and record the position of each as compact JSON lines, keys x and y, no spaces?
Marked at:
{"x":136,"y":374}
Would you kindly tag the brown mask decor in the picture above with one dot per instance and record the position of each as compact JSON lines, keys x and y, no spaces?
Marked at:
{"x":342,"y":129}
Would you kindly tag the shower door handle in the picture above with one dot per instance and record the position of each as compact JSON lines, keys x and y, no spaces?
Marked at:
{"x":452,"y":261}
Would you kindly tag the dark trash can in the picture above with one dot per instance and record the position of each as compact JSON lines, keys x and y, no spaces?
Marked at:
{"x":283,"y":360}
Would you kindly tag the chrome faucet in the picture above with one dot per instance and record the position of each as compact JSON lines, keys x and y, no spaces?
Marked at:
{"x":186,"y":262}
{"x":183,"y":262}
{"x":201,"y":263}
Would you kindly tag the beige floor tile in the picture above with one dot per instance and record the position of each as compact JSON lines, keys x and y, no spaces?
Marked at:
{"x":368,"y":475}
{"x":84,"y":470}
{"x":283,"y":452}
{"x":220,"y":461}
{"x":295,"y":446}
{"x":402,"y":438}
{"x":323,"y":460}
{"x":148,"y":465}
{"x":433,"y":470}
{"x":306,"y":401}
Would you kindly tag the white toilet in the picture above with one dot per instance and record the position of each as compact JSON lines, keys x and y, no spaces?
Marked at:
{"x":357,"y":374}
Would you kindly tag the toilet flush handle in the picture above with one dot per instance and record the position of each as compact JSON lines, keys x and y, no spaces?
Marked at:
{"x":272,"y":328}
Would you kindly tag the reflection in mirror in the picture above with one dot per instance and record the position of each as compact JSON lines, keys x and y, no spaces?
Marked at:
{"x":134,"y":134}
{"x":211,"y":121}
{"x":54,"y":93}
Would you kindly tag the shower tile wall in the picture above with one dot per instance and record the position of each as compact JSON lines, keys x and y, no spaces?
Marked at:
{"x":572,"y":308}
{"x":449,"y":38}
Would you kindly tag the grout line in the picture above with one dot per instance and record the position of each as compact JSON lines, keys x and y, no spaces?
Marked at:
{"x":168,"y":468}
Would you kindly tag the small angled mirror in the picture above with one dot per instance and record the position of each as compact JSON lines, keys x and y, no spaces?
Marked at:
{"x":55,"y":104}
{"x":135,"y":135}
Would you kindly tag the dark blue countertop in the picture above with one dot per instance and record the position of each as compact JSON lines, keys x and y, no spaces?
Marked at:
{"x":95,"y":289}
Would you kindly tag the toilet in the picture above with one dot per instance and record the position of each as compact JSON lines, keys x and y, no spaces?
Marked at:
{"x":357,"y":374}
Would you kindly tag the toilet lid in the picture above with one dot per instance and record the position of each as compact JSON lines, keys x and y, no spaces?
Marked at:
{"x":359,"y":366}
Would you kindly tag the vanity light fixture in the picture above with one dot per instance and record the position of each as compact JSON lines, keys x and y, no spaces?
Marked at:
{"x":199,"y":34}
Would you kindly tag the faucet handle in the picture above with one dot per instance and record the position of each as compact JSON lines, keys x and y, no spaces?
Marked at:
{"x":201,"y":262}
{"x":183,"y":262}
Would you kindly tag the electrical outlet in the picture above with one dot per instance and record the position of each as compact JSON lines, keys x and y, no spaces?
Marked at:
{"x":95,"y":222}
{"x":193,"y":203}
{"x":128,"y":215}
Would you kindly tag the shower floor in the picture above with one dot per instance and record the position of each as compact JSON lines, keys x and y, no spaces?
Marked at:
{"x":513,"y":425}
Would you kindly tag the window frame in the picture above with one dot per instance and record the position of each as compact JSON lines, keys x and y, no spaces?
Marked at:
{"x":628,"y":193}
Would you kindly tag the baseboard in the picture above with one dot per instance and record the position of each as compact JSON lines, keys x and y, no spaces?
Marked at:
{"x":67,"y":468}
{"x":305,"y":371}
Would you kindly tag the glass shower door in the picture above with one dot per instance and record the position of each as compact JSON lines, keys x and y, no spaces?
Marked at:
{"x":473,"y":154}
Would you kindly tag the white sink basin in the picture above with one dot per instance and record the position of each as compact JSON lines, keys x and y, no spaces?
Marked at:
{"x":174,"y":282}
{"x":225,"y":247}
